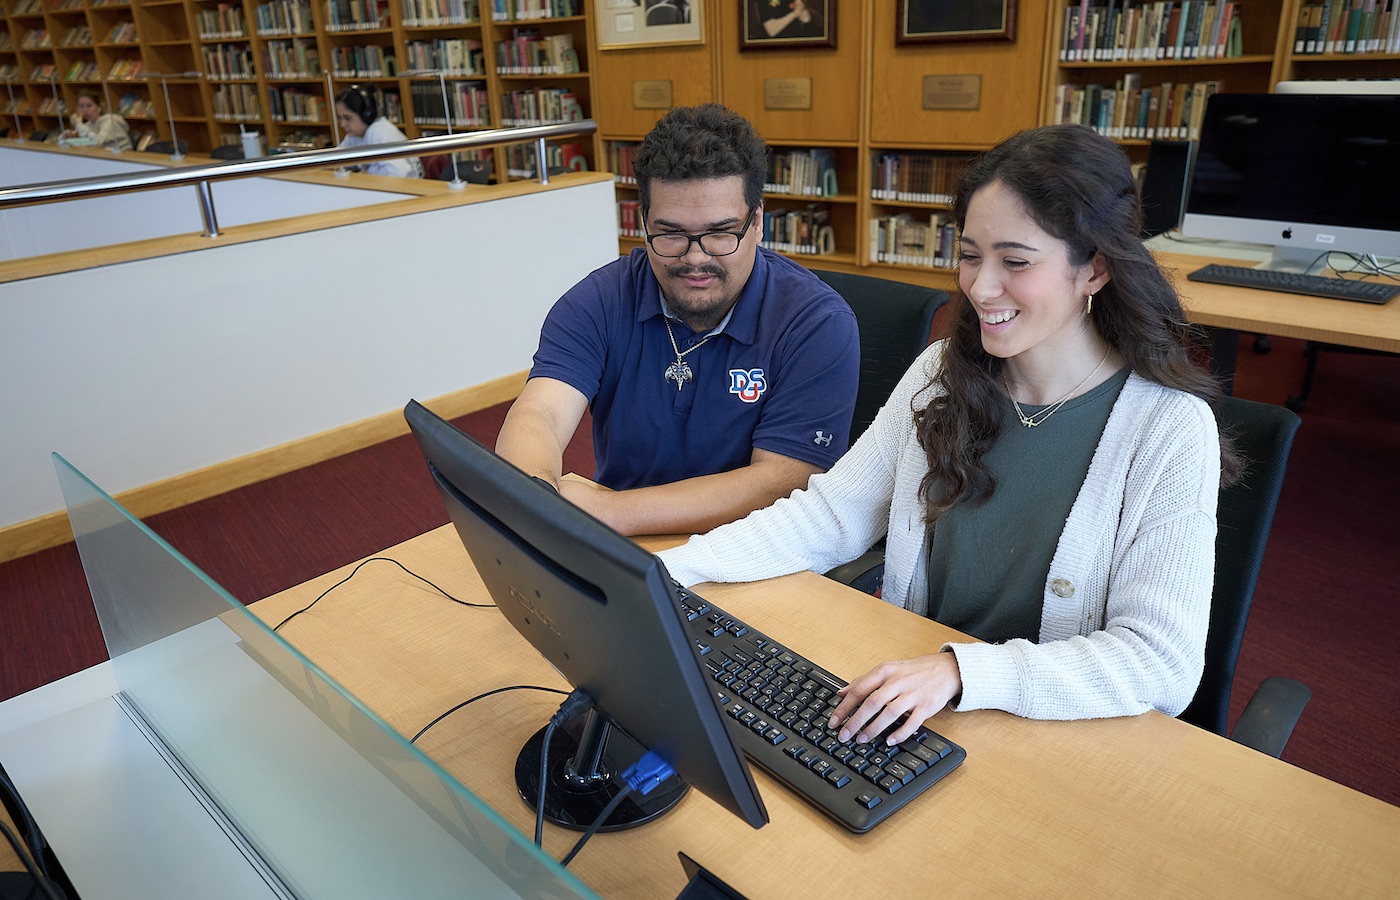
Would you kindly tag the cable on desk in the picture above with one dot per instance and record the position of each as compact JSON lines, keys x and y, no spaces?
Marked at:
{"x":574,"y":704}
{"x":361,"y":566}
{"x":32,"y":866}
{"x":500,"y":690}
{"x":643,"y":775}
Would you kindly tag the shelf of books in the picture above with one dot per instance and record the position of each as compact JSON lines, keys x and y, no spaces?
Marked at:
{"x":274,"y":66}
{"x":910,"y":208}
{"x":1344,"y":39}
{"x":1143,"y":71}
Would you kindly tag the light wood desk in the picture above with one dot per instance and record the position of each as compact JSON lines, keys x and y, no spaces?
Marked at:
{"x":1352,"y":324}
{"x":1146,"y":806}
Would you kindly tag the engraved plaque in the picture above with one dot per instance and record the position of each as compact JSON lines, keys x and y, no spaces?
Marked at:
{"x":787,"y":93}
{"x":651,"y":95}
{"x":952,"y":91}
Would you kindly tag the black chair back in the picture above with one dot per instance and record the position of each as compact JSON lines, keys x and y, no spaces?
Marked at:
{"x":1263,"y":435}
{"x":894,"y":319}
{"x":167,"y":147}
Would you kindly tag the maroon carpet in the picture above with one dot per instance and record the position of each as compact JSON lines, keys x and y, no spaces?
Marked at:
{"x":1325,"y":611}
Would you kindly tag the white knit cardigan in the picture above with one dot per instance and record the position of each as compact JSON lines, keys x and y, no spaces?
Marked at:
{"x":1127,"y":598}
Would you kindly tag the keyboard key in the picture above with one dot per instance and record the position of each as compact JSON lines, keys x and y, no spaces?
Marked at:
{"x":868,"y":800}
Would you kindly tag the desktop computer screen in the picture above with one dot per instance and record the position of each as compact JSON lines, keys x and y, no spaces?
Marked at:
{"x":1303,"y":173}
{"x":604,"y":613}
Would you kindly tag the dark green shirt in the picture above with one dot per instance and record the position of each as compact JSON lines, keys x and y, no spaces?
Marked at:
{"x":988,"y":564}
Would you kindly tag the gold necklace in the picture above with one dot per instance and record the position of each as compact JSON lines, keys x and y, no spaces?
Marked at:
{"x":679,"y":371}
{"x":1038,"y":418}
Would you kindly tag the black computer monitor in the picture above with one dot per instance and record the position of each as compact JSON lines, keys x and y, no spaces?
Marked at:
{"x":1307,"y":174}
{"x":604,"y":612}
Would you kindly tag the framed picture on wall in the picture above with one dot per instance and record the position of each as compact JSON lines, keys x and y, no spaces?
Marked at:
{"x":922,"y":21}
{"x":781,"y":24}
{"x":648,"y":23}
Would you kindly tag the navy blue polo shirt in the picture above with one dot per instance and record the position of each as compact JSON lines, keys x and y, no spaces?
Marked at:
{"x":781,"y":376}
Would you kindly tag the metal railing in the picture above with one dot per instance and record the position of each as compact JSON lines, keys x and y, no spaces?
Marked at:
{"x":200,"y":177}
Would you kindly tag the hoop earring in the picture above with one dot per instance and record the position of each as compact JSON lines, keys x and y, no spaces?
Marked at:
{"x":1089,"y":305}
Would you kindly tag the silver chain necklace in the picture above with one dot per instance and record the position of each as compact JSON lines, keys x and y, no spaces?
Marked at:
{"x":679,"y":371}
{"x":1038,"y":418}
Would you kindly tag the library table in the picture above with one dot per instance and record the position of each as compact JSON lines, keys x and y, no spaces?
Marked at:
{"x":1143,"y":806}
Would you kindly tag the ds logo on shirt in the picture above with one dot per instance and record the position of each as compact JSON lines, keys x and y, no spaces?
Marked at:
{"x":749,"y":384}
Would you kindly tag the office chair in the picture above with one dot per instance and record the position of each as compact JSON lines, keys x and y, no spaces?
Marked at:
{"x":1263,"y":435}
{"x":1312,"y":352}
{"x":227,"y":151}
{"x":894,"y":320}
{"x":167,"y":147}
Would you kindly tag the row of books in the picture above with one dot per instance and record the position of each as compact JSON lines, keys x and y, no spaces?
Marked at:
{"x":135,"y":106}
{"x":427,"y":13}
{"x":801,"y":232}
{"x":225,"y":61}
{"x":295,"y":58}
{"x":467,"y":102}
{"x":237,"y":103}
{"x":83,"y":70}
{"x":517,"y":10}
{"x":222,"y":21}
{"x":356,"y":15}
{"x":566,"y":157}
{"x":1348,"y":27}
{"x":810,"y":173}
{"x":458,"y":56}
{"x":1158,"y":29}
{"x":36,"y":39}
{"x":122,"y":33}
{"x":77,"y":36}
{"x":363,"y":61}
{"x":1170,"y":111}
{"x":284,"y":17}
{"x":27,"y":7}
{"x":9,"y":72}
{"x":530,"y":53}
{"x":7,"y":41}
{"x":916,"y":177}
{"x":293,"y":104}
{"x":906,"y":240}
{"x":541,"y":106}
{"x":43,"y":72}
{"x":126,"y":68}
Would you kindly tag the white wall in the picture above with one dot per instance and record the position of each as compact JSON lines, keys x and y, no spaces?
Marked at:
{"x":98,"y":221}
{"x":145,"y":370}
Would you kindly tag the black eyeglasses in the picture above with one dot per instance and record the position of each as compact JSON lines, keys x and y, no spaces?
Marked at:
{"x":672,"y":244}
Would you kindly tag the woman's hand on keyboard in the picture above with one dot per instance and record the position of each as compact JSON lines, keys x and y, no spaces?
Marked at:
{"x":916,"y":688}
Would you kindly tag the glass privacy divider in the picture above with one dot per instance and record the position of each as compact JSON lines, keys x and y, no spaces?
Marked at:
{"x":322,"y":796}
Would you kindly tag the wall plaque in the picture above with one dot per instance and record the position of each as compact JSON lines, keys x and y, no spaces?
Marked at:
{"x":952,"y":91}
{"x":651,"y":95}
{"x":787,"y":93}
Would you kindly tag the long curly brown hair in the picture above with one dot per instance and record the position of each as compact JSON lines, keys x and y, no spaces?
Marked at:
{"x":1078,"y":187}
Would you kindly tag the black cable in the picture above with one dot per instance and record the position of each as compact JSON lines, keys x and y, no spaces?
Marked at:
{"x":500,"y":690}
{"x":31,"y":864}
{"x":17,"y":808}
{"x":361,"y":566}
{"x":597,"y":823}
{"x":575,"y":703}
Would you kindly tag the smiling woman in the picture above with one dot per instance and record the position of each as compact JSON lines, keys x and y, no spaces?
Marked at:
{"x":1045,"y":478}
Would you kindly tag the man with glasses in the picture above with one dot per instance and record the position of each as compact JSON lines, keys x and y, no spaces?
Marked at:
{"x":720,"y":375}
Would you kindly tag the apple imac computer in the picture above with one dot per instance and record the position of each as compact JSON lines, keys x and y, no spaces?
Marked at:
{"x":602,"y":611}
{"x":1306,"y":174}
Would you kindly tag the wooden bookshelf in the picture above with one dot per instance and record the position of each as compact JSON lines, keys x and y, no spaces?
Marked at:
{"x":274,"y":66}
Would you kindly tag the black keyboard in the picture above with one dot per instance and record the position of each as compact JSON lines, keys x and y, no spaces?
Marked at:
{"x":1295,"y":283}
{"x":778,"y":703}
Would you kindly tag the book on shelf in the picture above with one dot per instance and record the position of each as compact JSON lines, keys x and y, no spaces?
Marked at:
{"x":802,"y":232}
{"x":805,"y":172}
{"x":916,"y":177}
{"x":903,"y":239}
{"x":1159,"y":29}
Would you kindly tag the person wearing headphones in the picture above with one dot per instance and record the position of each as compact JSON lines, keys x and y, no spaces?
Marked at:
{"x":359,"y":120}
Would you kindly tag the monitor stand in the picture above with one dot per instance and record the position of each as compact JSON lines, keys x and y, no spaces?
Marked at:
{"x":1303,"y":260}
{"x":585,"y":773}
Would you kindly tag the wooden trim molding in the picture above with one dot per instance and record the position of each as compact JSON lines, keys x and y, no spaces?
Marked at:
{"x":53,"y":529}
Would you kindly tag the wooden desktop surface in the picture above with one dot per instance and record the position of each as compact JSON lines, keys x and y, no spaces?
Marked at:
{"x":1346,"y":322}
{"x":1143,"y":806}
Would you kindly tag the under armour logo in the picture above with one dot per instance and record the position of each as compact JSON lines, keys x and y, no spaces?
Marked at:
{"x":822,"y":438}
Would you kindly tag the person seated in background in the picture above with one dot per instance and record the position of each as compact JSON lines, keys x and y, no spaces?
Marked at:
{"x":360,"y":122}
{"x":1046,"y":477}
{"x":720,"y":375}
{"x":91,"y":123}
